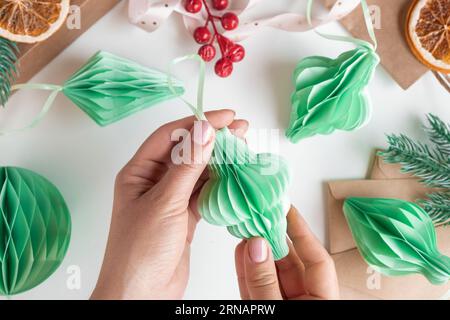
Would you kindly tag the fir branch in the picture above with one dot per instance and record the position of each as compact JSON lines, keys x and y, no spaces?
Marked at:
{"x":439,"y":133}
{"x":8,"y":70}
{"x":417,"y":158}
{"x":438,"y":207}
{"x":431,"y":163}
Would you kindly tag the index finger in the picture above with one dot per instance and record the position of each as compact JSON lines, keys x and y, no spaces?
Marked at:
{"x":159,"y":145}
{"x":320,"y":279}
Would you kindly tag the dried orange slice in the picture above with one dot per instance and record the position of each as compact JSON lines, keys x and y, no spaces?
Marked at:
{"x":31,"y":20}
{"x":428,"y":33}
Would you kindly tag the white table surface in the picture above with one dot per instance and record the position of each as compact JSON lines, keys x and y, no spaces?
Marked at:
{"x":82,"y":159}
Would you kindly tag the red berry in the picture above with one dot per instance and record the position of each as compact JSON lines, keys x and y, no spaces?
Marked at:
{"x":220,"y":4}
{"x":193,"y":6}
{"x":237,"y":53}
{"x":207,"y":52}
{"x":226,"y":45}
{"x":202,"y":35}
{"x":230,"y":21}
{"x":224,"y":67}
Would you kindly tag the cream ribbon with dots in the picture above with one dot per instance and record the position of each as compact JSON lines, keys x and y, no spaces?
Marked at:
{"x":151,"y":14}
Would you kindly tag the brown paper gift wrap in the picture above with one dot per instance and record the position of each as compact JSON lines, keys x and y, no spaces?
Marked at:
{"x":356,"y":279}
{"x":396,"y":57}
{"x":33,"y":57}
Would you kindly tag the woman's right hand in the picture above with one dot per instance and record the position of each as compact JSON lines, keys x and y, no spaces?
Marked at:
{"x":308,"y":272}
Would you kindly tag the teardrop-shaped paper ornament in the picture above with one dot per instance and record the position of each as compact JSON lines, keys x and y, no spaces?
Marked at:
{"x":247,"y":192}
{"x":109,"y":88}
{"x":34,"y":229}
{"x":332,"y":94}
{"x":396,"y":238}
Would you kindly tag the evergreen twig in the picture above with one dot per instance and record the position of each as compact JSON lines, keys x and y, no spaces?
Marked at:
{"x":8,"y":70}
{"x":439,"y":134}
{"x":429,"y":162}
{"x":417,"y":158}
{"x":438,"y":207}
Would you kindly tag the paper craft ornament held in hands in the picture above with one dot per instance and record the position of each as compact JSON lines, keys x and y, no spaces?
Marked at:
{"x":396,"y":238}
{"x":109,"y":88}
{"x":331,"y":94}
{"x":34,"y":230}
{"x":246,"y":192}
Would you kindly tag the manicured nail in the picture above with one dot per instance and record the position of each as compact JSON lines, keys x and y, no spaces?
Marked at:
{"x":258,"y":250}
{"x":202,"y":132}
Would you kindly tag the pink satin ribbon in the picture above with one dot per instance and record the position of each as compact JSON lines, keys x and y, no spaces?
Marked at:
{"x":151,"y":14}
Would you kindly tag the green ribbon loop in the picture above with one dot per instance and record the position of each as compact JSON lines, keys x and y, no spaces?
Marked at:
{"x":197,"y":110}
{"x":367,"y":20}
{"x":45,"y":108}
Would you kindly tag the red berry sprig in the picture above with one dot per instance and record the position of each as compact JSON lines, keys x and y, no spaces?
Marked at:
{"x":208,"y":34}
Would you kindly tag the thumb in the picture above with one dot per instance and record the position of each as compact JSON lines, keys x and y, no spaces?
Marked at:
{"x":260,"y":271}
{"x":190,"y":158}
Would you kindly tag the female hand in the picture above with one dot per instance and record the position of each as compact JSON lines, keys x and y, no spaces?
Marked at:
{"x":154,"y":216}
{"x":308,"y":272}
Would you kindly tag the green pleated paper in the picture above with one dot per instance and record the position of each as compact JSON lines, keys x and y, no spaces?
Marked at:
{"x":34,"y":230}
{"x":396,"y":238}
{"x":331,"y":94}
{"x":247,"y":193}
{"x":109,"y":88}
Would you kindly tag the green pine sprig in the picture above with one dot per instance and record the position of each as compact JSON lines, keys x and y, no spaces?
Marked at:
{"x":428,"y":161}
{"x":8,"y":70}
{"x":438,"y":207}
{"x":439,"y":133}
{"x":419,"y":159}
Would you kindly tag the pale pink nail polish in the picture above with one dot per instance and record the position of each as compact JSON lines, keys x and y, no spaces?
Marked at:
{"x":202,"y":132}
{"x":258,"y":250}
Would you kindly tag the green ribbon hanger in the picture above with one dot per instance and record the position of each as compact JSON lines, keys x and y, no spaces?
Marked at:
{"x":331,"y":94}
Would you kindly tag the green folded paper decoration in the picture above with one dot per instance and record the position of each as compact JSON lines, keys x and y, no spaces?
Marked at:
{"x":109,"y":88}
{"x":35,"y":230}
{"x":331,"y":94}
{"x":247,"y":193}
{"x":396,"y":238}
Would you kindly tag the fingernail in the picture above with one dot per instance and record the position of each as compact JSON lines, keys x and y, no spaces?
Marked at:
{"x":258,"y":250}
{"x":202,"y":132}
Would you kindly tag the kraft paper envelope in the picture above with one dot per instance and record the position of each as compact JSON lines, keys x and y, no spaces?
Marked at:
{"x":356,"y":279}
{"x":389,"y":17}
{"x":382,"y":170}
